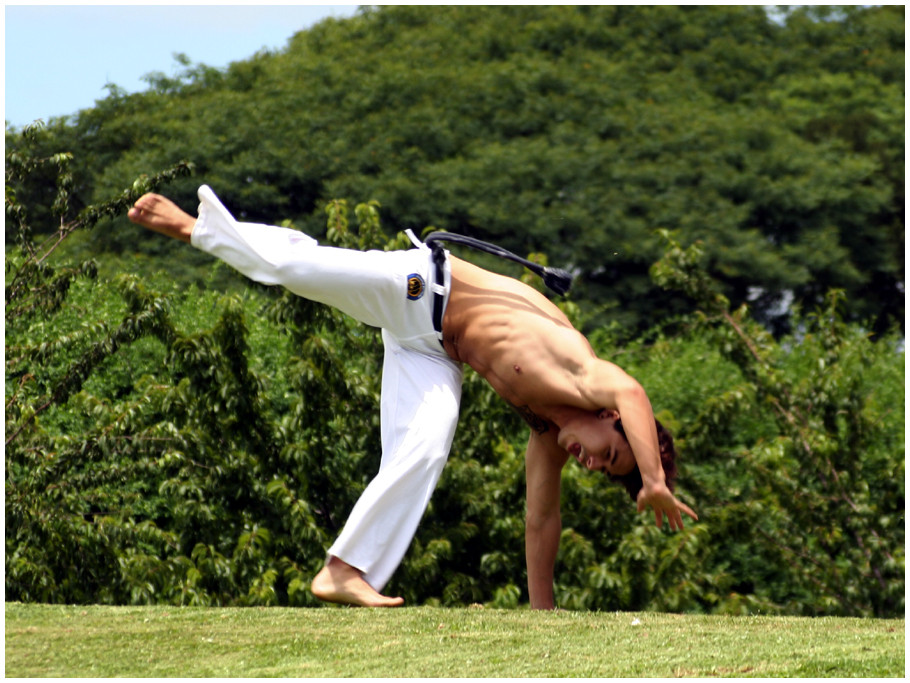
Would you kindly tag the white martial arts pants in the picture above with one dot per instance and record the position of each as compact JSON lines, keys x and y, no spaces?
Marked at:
{"x":421,"y":384}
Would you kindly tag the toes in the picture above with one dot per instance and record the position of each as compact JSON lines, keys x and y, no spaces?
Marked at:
{"x":147,"y":201}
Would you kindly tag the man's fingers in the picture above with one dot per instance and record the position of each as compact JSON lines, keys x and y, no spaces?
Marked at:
{"x":667,"y":505}
{"x":689,"y":511}
{"x":677,"y":521}
{"x":674,"y":517}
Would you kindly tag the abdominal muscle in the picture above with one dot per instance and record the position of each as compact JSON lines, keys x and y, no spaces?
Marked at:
{"x":516,"y":338}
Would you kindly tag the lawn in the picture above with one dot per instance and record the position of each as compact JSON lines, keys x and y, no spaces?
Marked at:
{"x":90,"y":641}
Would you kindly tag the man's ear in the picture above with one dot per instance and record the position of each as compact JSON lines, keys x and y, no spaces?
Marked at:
{"x":608,"y":412}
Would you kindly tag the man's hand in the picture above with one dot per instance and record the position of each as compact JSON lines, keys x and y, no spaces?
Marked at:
{"x":662,"y":500}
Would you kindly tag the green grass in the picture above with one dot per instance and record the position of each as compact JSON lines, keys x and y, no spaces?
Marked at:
{"x":89,"y":641}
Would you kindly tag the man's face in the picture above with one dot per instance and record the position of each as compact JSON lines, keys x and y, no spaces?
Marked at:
{"x":595,"y":443}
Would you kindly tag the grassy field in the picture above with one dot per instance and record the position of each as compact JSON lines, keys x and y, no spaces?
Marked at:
{"x":87,"y":641}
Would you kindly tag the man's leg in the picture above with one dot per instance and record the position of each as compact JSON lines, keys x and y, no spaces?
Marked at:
{"x":357,"y":283}
{"x":420,"y":401}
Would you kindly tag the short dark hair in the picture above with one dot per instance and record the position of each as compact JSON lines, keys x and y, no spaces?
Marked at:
{"x":632,"y":480}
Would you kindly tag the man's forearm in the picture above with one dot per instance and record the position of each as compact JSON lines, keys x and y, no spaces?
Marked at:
{"x":640,"y":430}
{"x":541,"y":547}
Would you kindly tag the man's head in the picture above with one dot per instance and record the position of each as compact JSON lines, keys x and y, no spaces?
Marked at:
{"x":632,"y":480}
{"x":595,"y":444}
{"x":598,"y":442}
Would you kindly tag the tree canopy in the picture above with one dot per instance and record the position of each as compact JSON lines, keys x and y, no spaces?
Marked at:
{"x":578,"y":131}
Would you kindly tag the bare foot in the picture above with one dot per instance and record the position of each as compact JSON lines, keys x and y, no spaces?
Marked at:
{"x":160,"y":214}
{"x":340,"y":582}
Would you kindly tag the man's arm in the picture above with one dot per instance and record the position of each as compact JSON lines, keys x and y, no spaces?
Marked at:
{"x":544,"y":461}
{"x":612,"y":387}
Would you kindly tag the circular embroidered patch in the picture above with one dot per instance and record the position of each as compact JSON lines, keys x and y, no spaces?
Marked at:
{"x":416,"y":286}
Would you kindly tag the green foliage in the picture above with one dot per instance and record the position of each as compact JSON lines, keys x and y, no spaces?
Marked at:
{"x":179,"y":437}
{"x":154,"y":454}
{"x":823,"y":502}
{"x":575,"y":130}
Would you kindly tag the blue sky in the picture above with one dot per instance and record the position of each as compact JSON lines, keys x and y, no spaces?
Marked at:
{"x":58,"y":58}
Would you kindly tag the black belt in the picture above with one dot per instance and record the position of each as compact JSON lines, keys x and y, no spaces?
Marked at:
{"x":439,"y":290}
{"x":556,"y":279}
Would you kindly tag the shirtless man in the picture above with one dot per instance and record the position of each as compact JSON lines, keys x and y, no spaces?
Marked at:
{"x":508,"y":332}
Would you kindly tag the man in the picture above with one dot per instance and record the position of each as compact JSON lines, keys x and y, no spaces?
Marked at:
{"x":512,"y":335}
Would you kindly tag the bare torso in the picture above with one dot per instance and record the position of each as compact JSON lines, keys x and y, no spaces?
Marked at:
{"x":517,"y":339}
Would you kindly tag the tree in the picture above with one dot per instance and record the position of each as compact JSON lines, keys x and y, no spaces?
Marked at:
{"x":577,"y":131}
{"x":824,"y":497}
{"x":167,"y":443}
